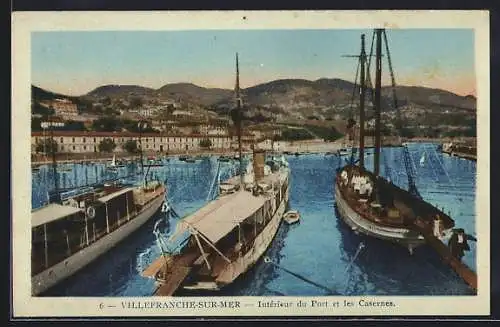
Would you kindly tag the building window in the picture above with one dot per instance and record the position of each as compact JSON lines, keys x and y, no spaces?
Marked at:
{"x":62,"y":148}
{"x":73,"y":141}
{"x":73,"y":147}
{"x":94,"y":139}
{"x":83,"y":140}
{"x":61,"y":140}
{"x":85,"y":147}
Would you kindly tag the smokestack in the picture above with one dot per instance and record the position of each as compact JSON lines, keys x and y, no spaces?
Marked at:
{"x":258,"y":164}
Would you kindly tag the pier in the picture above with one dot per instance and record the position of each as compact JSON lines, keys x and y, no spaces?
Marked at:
{"x":459,"y":154}
{"x":461,"y":149}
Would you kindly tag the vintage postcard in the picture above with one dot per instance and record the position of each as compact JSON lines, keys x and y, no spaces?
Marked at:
{"x":280,"y":163}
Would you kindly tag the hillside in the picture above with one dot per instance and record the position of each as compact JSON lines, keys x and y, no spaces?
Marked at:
{"x":120,"y":91}
{"x":39,"y":94}
{"x":188,"y":92}
{"x":287,"y":98}
{"x":431,"y":97}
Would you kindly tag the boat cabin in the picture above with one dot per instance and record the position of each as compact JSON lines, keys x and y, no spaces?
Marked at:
{"x":60,"y":230}
{"x":220,"y":233}
{"x":57,"y":231}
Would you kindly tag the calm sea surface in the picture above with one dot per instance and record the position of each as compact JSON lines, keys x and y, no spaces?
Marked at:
{"x":321,"y":248}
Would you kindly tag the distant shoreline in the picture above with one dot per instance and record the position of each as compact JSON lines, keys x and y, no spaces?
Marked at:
{"x":306,"y":146}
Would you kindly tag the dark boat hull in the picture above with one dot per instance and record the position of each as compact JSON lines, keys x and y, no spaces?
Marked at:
{"x":359,"y":224}
{"x":404,"y":233}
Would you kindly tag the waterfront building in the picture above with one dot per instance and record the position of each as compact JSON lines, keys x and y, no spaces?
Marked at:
{"x":88,"y":142}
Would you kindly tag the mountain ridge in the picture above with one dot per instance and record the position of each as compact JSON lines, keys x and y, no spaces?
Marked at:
{"x":292,"y":95}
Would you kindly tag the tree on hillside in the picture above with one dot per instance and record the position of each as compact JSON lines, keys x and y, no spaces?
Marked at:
{"x":135,"y":102}
{"x":106,"y":101}
{"x":36,"y":124}
{"x":48,"y":146}
{"x":170,"y":109}
{"x":72,"y":125}
{"x":205,"y":143}
{"x":132,"y":126}
{"x":131,"y":146}
{"x":84,"y":105}
{"x":107,"y":124}
{"x":37,"y":108}
{"x":107,"y":145}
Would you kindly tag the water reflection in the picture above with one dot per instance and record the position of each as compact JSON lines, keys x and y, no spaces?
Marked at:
{"x":320,"y":248}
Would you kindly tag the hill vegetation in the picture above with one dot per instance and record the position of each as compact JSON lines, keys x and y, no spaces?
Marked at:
{"x":424,"y":110}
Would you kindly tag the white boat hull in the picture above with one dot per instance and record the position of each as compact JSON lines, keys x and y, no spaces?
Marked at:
{"x":62,"y":270}
{"x":261,"y":243}
{"x":402,"y":236}
{"x":291,"y":221}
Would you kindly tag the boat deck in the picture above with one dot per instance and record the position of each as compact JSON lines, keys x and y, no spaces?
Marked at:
{"x":213,"y":223}
{"x":395,"y":208}
{"x":142,"y":197}
{"x":182,"y":260}
{"x":270,"y":179}
{"x":176,"y":278}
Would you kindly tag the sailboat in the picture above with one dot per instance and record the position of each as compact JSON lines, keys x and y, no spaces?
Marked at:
{"x":220,"y":242}
{"x":422,"y":160}
{"x":371,"y":204}
{"x":115,"y":164}
{"x":79,"y":225}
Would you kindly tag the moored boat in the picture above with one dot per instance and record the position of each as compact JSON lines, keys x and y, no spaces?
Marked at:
{"x":291,"y":217}
{"x":67,"y":236}
{"x":344,"y":151}
{"x":77,"y":226}
{"x":219,"y":243}
{"x":371,"y":204}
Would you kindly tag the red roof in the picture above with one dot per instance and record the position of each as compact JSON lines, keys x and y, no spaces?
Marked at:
{"x":117,"y":134}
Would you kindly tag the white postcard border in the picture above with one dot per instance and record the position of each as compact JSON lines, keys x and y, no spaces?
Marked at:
{"x":23,"y":23}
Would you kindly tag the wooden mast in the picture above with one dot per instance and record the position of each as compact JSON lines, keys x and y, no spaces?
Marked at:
{"x":377,"y":104}
{"x":53,"y":149}
{"x":362,"y":105}
{"x":239,"y":116}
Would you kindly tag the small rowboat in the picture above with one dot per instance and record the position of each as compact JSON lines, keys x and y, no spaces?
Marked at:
{"x":291,"y":217}
{"x":227,"y":188}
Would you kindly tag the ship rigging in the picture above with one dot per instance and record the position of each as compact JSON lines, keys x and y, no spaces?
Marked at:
{"x":371,"y":204}
{"x":220,"y":242}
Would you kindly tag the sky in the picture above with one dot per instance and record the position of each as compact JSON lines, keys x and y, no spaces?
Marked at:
{"x":75,"y":63}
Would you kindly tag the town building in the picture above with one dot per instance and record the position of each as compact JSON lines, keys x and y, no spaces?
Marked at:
{"x":63,"y":108}
{"x":88,"y":142}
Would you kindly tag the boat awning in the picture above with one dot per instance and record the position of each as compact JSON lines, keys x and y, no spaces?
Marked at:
{"x":177,"y":242}
{"x":221,"y":216}
{"x":51,"y":213}
{"x":113,"y":195}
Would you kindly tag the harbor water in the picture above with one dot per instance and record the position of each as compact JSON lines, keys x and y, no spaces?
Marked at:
{"x":321,"y":249}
